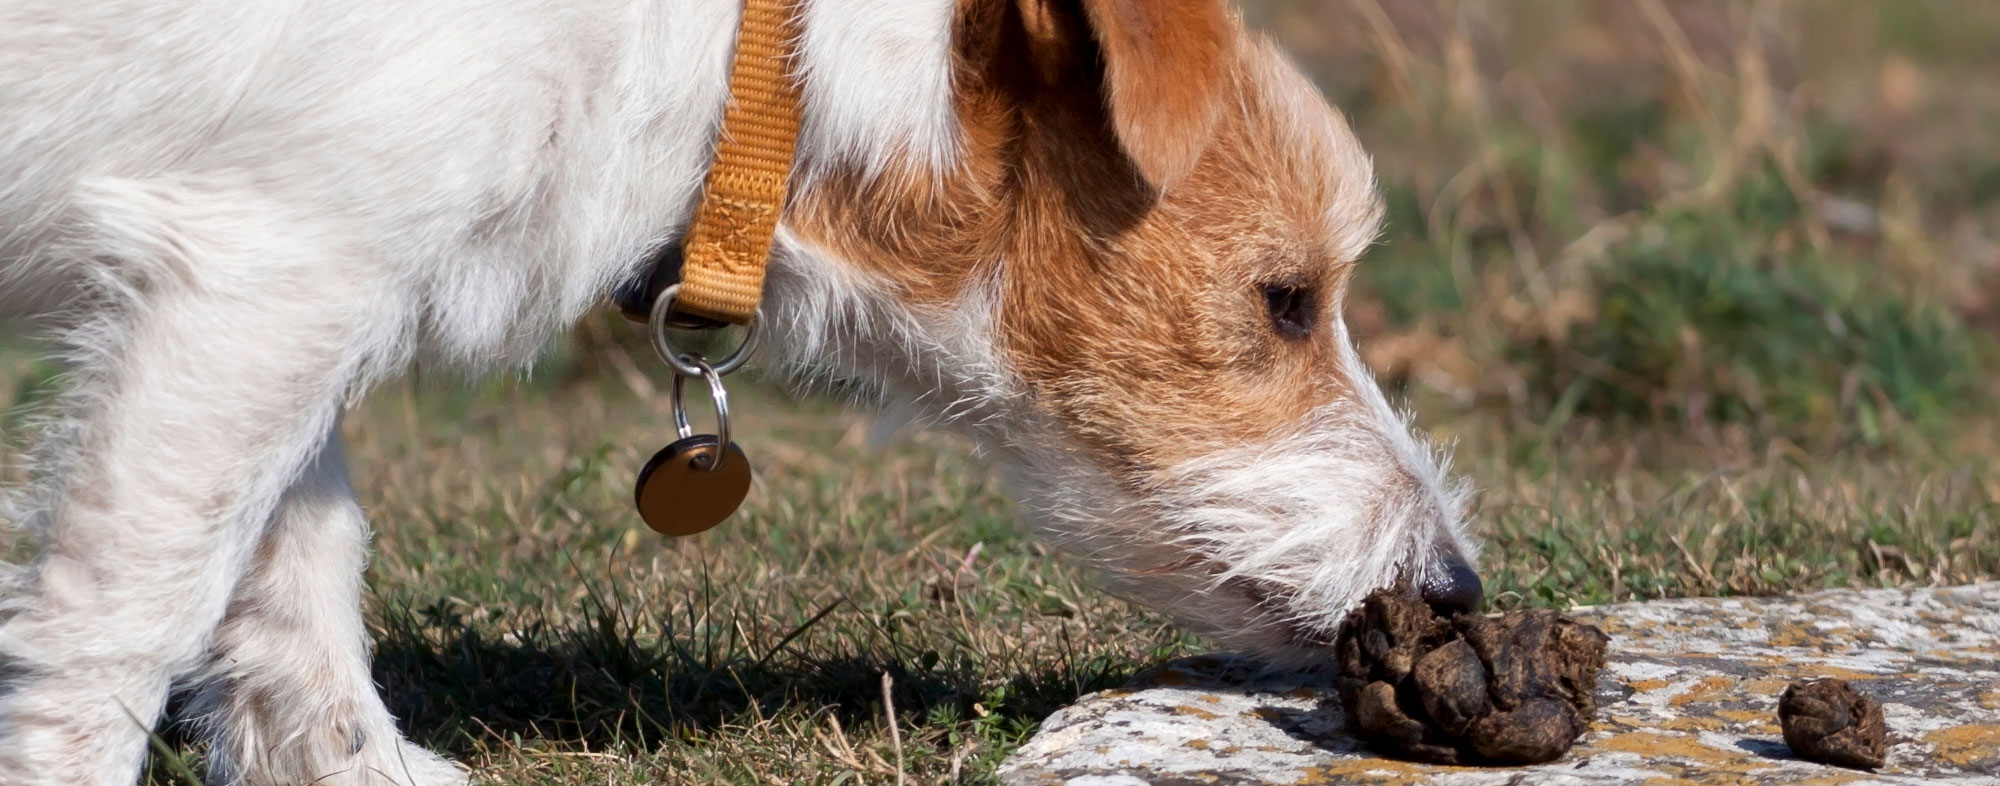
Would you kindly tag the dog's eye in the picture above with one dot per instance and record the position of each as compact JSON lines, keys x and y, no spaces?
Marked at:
{"x":1294,"y":309}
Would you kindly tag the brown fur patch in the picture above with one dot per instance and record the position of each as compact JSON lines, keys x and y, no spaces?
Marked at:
{"x":1165,"y":66}
{"x":1137,"y":317}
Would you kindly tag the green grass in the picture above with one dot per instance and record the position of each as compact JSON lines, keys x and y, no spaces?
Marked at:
{"x":529,"y":625}
{"x":1698,"y":325}
{"x":1611,"y":278}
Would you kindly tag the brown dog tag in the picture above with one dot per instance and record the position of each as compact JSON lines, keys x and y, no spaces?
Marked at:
{"x":679,"y":494}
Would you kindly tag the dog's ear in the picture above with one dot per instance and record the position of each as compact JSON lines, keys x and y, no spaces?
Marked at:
{"x":1165,"y":65}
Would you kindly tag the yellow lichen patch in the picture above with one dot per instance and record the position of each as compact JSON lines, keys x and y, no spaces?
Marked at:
{"x":1760,"y":720}
{"x":1763,"y":686}
{"x":1195,"y":712}
{"x":1990,"y":699}
{"x":1831,"y":779}
{"x":1200,"y":745}
{"x":1310,"y":777}
{"x":1704,"y":689}
{"x":1692,"y":723}
{"x":1387,"y":772}
{"x":1644,"y":686}
{"x":1963,"y":745}
{"x":1798,"y":636}
{"x":1656,"y":744}
{"x":1846,"y":674}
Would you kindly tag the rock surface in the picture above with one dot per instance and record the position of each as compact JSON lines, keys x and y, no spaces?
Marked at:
{"x":1690,"y":696}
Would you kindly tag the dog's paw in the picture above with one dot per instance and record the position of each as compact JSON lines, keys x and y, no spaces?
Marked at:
{"x":365,"y":761}
{"x":411,"y":765}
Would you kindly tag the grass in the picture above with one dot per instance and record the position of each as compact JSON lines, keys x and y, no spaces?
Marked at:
{"x":529,"y":625}
{"x":1684,"y":328}
{"x":1705,"y":294}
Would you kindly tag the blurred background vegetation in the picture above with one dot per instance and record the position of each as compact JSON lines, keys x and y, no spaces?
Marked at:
{"x":1747,"y":222}
{"x":1706,"y":293}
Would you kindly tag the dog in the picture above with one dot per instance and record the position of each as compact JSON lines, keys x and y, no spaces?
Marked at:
{"x":1107,"y":239}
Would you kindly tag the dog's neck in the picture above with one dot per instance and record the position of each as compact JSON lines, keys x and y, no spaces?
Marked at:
{"x":877,"y":84}
{"x":877,"y":92}
{"x":877,"y":100}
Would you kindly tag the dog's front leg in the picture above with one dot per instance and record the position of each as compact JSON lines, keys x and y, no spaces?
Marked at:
{"x":225,"y":336}
{"x":288,"y":698}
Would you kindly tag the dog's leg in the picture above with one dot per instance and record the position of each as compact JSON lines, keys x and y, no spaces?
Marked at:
{"x":225,"y":338}
{"x":289,"y":699}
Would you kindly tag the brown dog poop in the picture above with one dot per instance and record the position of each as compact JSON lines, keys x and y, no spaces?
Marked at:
{"x":1828,"y":721}
{"x":1512,"y":689}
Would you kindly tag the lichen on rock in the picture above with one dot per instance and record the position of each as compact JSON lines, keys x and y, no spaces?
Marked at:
{"x":1689,"y":693}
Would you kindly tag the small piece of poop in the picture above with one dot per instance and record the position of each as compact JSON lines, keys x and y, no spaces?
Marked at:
{"x":1828,"y":721}
{"x":1512,"y":689}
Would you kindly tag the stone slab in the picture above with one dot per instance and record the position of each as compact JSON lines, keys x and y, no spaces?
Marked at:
{"x":1690,"y":696}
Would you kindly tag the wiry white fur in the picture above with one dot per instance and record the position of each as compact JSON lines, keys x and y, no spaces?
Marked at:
{"x":178,"y":449}
{"x":284,"y":695}
{"x":236,"y":216}
{"x":1353,"y":207}
{"x":1265,"y":546}
{"x":845,"y":332}
{"x":1313,"y":523}
{"x":1262,"y":546}
{"x":858,"y":116}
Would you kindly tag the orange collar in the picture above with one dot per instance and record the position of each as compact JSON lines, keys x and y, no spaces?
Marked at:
{"x":729,"y":244}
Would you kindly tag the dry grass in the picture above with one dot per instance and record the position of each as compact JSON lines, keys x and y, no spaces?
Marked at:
{"x":1817,"y":173}
{"x":531,"y":624}
{"x":528,"y":624}
{"x":1536,"y":156}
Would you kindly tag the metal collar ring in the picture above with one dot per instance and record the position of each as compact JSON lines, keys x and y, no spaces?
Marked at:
{"x":660,"y":324}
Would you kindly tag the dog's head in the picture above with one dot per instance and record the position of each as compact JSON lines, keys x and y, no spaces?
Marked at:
{"x":1115,"y":250}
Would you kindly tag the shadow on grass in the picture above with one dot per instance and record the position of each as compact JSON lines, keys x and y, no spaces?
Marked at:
{"x":601,"y":686}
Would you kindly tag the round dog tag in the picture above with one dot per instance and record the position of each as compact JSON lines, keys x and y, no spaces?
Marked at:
{"x":680,"y":492}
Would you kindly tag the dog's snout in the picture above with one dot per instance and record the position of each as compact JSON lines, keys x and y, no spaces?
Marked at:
{"x":1454,"y":588}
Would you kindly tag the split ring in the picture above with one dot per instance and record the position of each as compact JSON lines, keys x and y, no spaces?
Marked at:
{"x":716,"y":394}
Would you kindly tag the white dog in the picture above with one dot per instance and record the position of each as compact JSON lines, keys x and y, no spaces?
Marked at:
{"x":1108,"y":239}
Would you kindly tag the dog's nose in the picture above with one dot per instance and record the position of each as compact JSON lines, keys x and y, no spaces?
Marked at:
{"x":1454,"y":588}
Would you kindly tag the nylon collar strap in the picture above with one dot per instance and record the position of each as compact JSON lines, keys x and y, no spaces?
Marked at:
{"x":729,"y":243}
